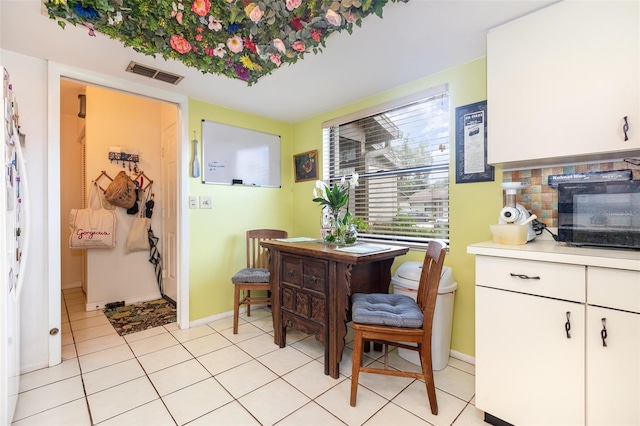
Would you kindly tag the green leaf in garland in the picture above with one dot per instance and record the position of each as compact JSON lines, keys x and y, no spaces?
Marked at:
{"x":146,"y":26}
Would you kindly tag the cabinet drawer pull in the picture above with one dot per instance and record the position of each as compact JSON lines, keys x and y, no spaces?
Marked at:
{"x":524,"y":277}
{"x":625,"y":128}
{"x":603,"y":333}
{"x":313,"y":279}
{"x":567,"y":325}
{"x":289,"y":273}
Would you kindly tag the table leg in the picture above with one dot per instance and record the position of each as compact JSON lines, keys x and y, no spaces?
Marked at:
{"x":340,"y":276}
{"x":279,"y":337}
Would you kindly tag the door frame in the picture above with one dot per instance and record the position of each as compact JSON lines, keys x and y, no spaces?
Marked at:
{"x":55,"y":72}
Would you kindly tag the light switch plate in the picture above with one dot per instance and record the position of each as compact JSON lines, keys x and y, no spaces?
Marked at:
{"x":205,"y":202}
{"x":193,"y":202}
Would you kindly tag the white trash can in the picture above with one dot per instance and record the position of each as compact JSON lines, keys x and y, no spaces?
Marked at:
{"x":405,"y":281}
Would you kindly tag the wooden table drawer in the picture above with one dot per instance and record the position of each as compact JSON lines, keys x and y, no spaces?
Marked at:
{"x":556,"y":280}
{"x":291,"y":270}
{"x":314,"y":275}
{"x":613,"y":288}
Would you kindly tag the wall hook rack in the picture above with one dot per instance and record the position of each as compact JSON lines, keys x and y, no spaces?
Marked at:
{"x":124,"y":157}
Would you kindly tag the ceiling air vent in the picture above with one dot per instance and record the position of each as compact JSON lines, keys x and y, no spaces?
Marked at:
{"x":154,"y":73}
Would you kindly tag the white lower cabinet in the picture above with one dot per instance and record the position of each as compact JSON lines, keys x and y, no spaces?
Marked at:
{"x":540,"y":357}
{"x":613,"y":371}
{"x":527,"y":370}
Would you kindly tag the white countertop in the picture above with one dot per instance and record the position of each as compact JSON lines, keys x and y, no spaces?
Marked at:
{"x":551,"y":251}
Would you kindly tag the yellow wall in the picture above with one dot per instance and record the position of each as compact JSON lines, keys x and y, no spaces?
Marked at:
{"x":473,"y":205}
{"x":217,"y":244}
{"x":217,"y":241}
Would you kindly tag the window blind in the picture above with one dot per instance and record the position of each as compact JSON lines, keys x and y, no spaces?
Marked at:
{"x":402,"y":156}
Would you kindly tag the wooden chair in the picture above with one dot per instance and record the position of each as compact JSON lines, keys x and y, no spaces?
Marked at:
{"x":393,"y":319}
{"x":256,"y":275}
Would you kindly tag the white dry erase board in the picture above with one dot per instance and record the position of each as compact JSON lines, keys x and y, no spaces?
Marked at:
{"x":233,"y":155}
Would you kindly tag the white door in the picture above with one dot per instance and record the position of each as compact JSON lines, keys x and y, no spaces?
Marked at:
{"x":613,"y":371}
{"x":169,"y":241}
{"x":527,"y":370}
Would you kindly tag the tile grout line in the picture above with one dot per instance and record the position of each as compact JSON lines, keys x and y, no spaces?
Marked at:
{"x":278,"y":376}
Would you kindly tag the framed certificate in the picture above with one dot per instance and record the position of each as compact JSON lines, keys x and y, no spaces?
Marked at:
{"x":471,"y":144}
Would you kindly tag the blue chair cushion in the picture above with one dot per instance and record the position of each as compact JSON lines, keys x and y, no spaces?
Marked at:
{"x":396,"y":310}
{"x":251,"y":275}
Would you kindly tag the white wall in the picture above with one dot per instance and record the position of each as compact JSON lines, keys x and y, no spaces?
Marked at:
{"x":118,"y":119}
{"x":29,"y":80}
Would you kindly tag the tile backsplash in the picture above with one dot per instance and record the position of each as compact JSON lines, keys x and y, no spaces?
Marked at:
{"x":541,"y":199}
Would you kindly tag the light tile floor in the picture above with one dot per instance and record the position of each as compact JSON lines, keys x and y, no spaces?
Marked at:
{"x":206,"y":375}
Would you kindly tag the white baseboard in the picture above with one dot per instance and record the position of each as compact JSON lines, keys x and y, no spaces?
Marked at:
{"x":462,"y":357}
{"x":100,"y":304}
{"x":222,"y":315}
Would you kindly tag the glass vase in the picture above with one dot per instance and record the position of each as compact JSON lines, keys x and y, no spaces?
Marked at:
{"x":339,"y":232}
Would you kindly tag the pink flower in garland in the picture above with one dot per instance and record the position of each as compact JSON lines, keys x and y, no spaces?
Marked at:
{"x":316,"y":35}
{"x":176,"y":11}
{"x":180,"y":44}
{"x":293,"y":4}
{"x":279,"y":44}
{"x":214,"y":24}
{"x":275,"y":58}
{"x":219,"y":51}
{"x":333,"y":18}
{"x":254,"y":12}
{"x":201,"y":7}
{"x":298,"y":46}
{"x":235,"y":44}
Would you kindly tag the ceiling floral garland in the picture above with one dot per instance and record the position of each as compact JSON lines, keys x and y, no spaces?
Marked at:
{"x":241,"y":39}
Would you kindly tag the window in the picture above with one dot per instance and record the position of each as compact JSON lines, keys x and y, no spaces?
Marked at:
{"x":401,"y":152}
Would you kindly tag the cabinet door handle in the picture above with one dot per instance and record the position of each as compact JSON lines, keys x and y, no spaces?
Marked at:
{"x":290,"y":273}
{"x":523,"y":276}
{"x":625,"y":128}
{"x":567,"y":325}
{"x":603,"y":333}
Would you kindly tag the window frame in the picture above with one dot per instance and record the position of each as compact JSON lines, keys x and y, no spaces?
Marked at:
{"x":329,"y":157}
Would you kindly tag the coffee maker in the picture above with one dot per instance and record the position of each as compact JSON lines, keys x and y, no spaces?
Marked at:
{"x":513,"y":212}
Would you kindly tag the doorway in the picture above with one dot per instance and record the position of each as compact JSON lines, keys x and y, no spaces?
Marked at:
{"x":55,"y":221}
{"x":106,"y":120}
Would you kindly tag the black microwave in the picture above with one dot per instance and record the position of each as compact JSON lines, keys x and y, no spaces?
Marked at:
{"x":604,"y":214}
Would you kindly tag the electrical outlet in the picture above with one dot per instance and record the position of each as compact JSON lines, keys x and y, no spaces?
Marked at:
{"x":193,"y":202}
{"x":205,"y":202}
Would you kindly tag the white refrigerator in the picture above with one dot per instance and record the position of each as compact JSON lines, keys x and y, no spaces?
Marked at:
{"x":13,"y":250}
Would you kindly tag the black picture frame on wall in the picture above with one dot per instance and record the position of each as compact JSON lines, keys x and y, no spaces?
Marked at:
{"x":471,"y":144}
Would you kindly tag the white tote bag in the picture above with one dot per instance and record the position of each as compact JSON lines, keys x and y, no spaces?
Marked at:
{"x":92,"y":228}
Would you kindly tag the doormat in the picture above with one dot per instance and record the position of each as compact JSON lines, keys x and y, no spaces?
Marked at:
{"x":141,"y":316}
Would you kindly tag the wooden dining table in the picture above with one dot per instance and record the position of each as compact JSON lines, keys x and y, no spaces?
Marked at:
{"x":311,"y":284}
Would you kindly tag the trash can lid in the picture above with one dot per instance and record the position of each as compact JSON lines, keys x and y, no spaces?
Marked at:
{"x":408,"y":275}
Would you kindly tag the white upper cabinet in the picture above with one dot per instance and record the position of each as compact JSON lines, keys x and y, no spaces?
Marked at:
{"x":560,"y":82}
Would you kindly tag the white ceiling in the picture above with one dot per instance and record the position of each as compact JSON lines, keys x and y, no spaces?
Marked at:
{"x":413,"y":40}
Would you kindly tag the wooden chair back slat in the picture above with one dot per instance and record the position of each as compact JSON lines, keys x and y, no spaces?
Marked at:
{"x":258,"y":256}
